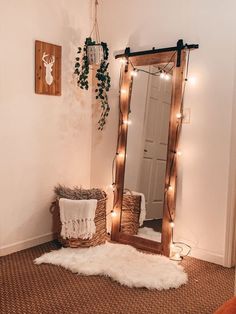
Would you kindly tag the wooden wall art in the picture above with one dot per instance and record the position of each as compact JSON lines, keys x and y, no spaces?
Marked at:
{"x":47,"y":68}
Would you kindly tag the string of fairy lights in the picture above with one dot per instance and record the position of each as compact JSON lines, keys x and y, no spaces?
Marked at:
{"x":164,"y":72}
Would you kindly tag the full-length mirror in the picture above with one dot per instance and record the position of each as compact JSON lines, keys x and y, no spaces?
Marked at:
{"x":146,"y":150}
{"x":150,"y":120}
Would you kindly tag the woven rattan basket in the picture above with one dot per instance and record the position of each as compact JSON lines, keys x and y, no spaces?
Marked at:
{"x":130,"y":213}
{"x":100,"y":235}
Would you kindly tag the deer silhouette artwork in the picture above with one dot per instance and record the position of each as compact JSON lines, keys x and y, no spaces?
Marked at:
{"x":48,"y":65}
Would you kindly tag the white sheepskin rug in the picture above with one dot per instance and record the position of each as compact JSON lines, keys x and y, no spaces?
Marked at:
{"x":122,"y":263}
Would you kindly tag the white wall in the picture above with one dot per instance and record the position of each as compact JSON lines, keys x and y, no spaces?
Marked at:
{"x":44,"y":139}
{"x":47,"y":139}
{"x":204,"y":170}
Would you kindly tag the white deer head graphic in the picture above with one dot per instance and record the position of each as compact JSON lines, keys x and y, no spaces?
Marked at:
{"x":48,"y":65}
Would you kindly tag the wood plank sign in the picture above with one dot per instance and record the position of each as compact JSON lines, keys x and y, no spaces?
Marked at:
{"x":47,"y":68}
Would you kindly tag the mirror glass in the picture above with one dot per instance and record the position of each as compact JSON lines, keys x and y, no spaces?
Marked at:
{"x":143,"y":200}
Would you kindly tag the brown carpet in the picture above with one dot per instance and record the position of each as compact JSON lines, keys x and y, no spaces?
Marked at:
{"x":28,"y":288}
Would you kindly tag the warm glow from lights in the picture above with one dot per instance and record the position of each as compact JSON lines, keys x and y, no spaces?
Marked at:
{"x":192,"y":80}
{"x":172,"y":224}
{"x":112,"y":186}
{"x":166,"y":76}
{"x":170,"y":188}
{"x":113,"y":213}
{"x":134,"y":73}
{"x":162,"y":75}
{"x":123,"y":61}
{"x":127,"y":122}
{"x":179,"y":153}
{"x":121,"y":155}
{"x":178,"y":115}
{"x":123,"y":91}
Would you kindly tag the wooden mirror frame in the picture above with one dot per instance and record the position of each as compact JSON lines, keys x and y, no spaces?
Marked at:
{"x":126,"y":79}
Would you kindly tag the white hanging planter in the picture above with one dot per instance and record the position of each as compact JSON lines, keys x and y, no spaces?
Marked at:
{"x":95,"y":54}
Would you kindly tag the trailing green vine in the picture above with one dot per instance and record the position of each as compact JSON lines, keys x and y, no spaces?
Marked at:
{"x":103,"y":78}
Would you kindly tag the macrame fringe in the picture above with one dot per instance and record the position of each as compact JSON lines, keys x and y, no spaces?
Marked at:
{"x":79,"y":228}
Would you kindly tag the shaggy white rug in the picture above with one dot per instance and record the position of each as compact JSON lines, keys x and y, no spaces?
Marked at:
{"x":122,"y":263}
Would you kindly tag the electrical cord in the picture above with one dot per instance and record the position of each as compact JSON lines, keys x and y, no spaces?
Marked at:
{"x":160,"y":70}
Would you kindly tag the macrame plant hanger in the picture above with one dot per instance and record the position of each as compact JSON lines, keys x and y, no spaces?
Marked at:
{"x":95,"y":28}
{"x":95,"y":52}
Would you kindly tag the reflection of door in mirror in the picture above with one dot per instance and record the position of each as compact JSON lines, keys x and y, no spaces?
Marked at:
{"x":147,"y":145}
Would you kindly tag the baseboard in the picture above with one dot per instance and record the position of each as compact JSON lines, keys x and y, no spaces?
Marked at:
{"x":207,"y":256}
{"x":25,"y":244}
{"x":201,"y":254}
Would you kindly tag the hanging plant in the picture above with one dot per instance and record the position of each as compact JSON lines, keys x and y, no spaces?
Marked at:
{"x":95,"y":53}
{"x":85,"y":57}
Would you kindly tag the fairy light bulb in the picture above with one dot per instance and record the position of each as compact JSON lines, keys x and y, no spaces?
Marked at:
{"x":112,"y":187}
{"x":179,"y":153}
{"x":179,"y":115}
{"x":134,"y":73}
{"x":162,"y":75}
{"x":128,"y":122}
{"x":123,"y":91}
{"x":166,"y":77}
{"x":123,"y":61}
{"x":172,"y":224}
{"x":121,"y":155}
{"x":113,"y":213}
{"x":170,"y":188}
